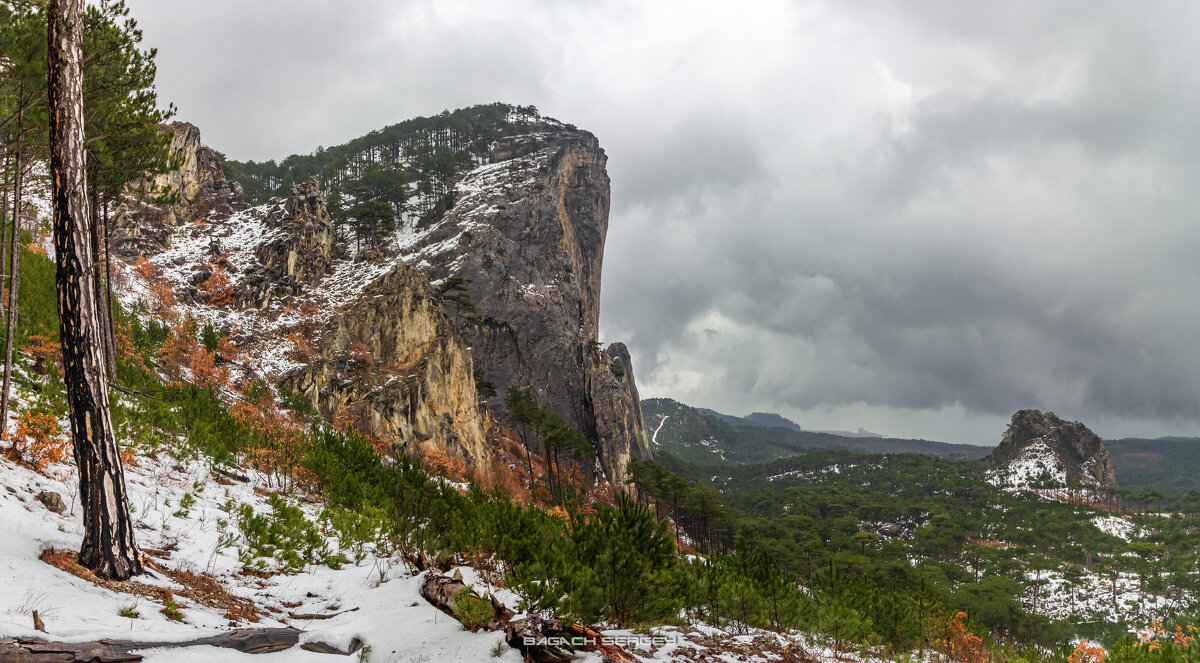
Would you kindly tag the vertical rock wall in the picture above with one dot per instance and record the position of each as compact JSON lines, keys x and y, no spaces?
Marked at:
{"x":528,"y":230}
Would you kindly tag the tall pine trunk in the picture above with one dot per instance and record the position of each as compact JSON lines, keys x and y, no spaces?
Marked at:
{"x":110,"y":334}
{"x":108,"y":547}
{"x":14,"y":275}
{"x":107,"y":352}
{"x":4,"y":207}
{"x":13,"y":266}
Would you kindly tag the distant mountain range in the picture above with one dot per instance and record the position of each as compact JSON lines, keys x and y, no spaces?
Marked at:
{"x":1169,"y":465}
{"x":703,"y":436}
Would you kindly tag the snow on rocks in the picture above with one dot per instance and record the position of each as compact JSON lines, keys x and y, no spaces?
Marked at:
{"x":1037,"y":464}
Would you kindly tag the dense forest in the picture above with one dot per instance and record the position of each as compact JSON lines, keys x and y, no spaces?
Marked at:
{"x":909,"y":528}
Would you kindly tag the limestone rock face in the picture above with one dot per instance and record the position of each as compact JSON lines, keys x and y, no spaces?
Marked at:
{"x":391,"y":363}
{"x":616,"y":407}
{"x":528,"y":229}
{"x":200,"y":177}
{"x":199,"y":187}
{"x":394,"y":357}
{"x":1066,"y":446}
{"x":300,"y":252}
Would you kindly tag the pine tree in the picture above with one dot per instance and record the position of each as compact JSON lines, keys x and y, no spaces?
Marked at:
{"x":108,"y":547}
{"x":454,"y":291}
{"x":558,"y":437}
{"x":124,"y":137}
{"x":22,"y":121}
{"x":522,"y":412}
{"x":373,"y":219}
{"x":632,"y":557}
{"x":841,"y":624}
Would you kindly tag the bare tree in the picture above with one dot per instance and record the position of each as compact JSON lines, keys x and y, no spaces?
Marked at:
{"x":108,"y":546}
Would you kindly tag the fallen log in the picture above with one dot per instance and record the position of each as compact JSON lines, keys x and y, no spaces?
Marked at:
{"x":248,"y":640}
{"x":318,"y":615}
{"x":423,"y":562}
{"x":539,"y":639}
{"x":608,"y":651}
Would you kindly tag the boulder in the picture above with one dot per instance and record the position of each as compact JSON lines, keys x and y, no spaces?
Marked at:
{"x":53,"y":501}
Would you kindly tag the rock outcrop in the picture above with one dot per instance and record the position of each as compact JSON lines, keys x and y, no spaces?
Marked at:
{"x":390,"y":364}
{"x":386,"y":360}
{"x":301,"y":249}
{"x":195,"y":187}
{"x":199,"y":179}
{"x":616,"y":407}
{"x":1041,"y":443}
{"x":528,"y":230}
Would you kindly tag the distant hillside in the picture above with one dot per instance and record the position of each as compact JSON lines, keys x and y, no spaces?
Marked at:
{"x":1169,"y":465}
{"x":699,"y":435}
{"x":771,"y":420}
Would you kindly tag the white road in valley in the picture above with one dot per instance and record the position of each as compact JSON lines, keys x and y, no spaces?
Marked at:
{"x":654,"y":438}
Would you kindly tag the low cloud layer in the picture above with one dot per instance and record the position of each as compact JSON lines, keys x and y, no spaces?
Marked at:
{"x":911,"y":217}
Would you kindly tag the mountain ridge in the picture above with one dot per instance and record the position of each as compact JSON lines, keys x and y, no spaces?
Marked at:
{"x":506,"y":206}
{"x":703,"y":435}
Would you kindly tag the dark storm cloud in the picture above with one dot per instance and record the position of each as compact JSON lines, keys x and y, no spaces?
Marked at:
{"x":911,"y":217}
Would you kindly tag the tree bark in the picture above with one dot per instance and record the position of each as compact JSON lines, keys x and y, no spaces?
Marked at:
{"x":4,"y":207}
{"x":110,"y":334}
{"x":108,"y":547}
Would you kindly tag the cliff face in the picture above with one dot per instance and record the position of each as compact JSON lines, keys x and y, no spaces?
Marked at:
{"x":391,"y":364}
{"x":1038,"y":442}
{"x":200,"y":177}
{"x":388,"y":352}
{"x":380,"y":352}
{"x":386,"y":359}
{"x":198,"y":187}
{"x":528,"y":230}
{"x":617,"y":408}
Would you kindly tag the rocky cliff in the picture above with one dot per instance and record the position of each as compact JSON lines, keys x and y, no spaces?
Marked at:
{"x":1039,"y":444}
{"x":522,"y":215}
{"x":199,"y":178}
{"x":528,"y":230}
{"x":391,"y":365}
{"x":300,"y":249}
{"x":196,"y":187}
{"x":374,"y":348}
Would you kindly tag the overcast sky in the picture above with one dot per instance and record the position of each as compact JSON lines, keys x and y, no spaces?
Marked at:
{"x":911,"y":217}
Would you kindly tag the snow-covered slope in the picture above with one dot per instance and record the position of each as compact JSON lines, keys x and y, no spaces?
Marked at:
{"x":186,"y":522}
{"x":386,"y":610}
